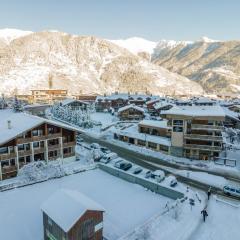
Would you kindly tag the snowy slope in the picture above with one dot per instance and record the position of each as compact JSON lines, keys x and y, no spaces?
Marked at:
{"x":9,"y":34}
{"x":136,"y":45}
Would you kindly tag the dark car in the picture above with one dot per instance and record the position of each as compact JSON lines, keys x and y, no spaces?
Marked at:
{"x":126,"y":166}
{"x":137,"y":170}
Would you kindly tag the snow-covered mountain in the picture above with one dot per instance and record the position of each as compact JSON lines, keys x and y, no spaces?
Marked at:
{"x":212,"y":63}
{"x":136,"y":45}
{"x":8,"y":34}
{"x":82,"y":65}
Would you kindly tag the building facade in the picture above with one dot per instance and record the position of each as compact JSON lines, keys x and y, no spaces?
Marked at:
{"x":196,"y":132}
{"x":28,"y":138}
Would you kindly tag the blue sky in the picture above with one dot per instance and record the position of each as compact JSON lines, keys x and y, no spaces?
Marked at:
{"x":114,"y":19}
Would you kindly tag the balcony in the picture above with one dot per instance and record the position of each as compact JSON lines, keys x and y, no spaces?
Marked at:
{"x":38,"y":138}
{"x":203,"y":137}
{"x":7,"y":156}
{"x":39,"y":150}
{"x":24,"y":153}
{"x":69,"y":144}
{"x":203,"y":147}
{"x":9,"y":169}
{"x":54,"y":147}
{"x":206,"y":127}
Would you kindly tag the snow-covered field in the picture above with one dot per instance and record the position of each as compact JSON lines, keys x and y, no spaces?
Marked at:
{"x":127,"y":205}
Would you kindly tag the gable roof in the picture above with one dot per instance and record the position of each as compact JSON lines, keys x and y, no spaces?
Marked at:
{"x":129,"y":107}
{"x":65,"y":207}
{"x":20,"y":123}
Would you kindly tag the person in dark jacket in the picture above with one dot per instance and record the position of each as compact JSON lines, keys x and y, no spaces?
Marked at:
{"x":204,"y":213}
{"x":209,"y":193}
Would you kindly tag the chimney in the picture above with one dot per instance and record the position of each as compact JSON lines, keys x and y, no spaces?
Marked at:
{"x":9,"y":124}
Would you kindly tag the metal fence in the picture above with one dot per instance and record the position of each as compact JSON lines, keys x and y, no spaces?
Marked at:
{"x":155,"y":187}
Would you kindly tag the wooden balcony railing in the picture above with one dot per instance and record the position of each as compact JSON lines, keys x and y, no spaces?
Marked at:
{"x":69,"y":144}
{"x":203,"y":137}
{"x":203,"y":147}
{"x":9,"y":169}
{"x":208,"y":127}
{"x":38,"y":138}
{"x":7,"y":156}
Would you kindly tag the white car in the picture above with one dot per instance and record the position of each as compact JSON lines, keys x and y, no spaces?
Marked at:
{"x":231,"y":191}
{"x":94,"y":146}
{"x":108,"y":157}
{"x":172,"y":181}
{"x":159,"y":175}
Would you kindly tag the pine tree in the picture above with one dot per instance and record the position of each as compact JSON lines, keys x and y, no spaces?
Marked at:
{"x":17,"y":107}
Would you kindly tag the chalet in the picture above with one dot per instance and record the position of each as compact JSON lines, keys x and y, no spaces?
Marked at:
{"x":235,"y":108}
{"x":161,"y":106}
{"x":86,"y":98}
{"x":131,"y":112}
{"x":150,"y":105}
{"x":75,"y":104}
{"x":70,"y":215}
{"x":196,"y":131}
{"x":26,"y":138}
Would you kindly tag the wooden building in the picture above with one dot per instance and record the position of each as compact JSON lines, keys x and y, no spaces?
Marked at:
{"x":36,"y":109}
{"x":131,"y":112}
{"x":75,"y":104}
{"x":70,"y":215}
{"x":26,"y":138}
{"x":48,"y":95}
{"x":196,"y":131}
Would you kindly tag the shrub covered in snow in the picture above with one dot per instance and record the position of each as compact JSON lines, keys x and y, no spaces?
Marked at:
{"x":38,"y":171}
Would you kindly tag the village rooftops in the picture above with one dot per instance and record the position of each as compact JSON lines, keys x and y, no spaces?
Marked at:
{"x":162,"y":105}
{"x":196,"y":111}
{"x":129,"y":107}
{"x":21,"y":122}
{"x":65,"y":207}
{"x":155,"y":123}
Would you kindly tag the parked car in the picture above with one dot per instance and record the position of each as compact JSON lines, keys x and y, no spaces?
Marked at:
{"x":137,"y":170}
{"x":159,"y":175}
{"x":148,"y":174}
{"x":119,"y":163}
{"x":231,"y":191}
{"x":126,"y":166}
{"x":105,"y":150}
{"x":172,"y":181}
{"x":94,"y":146}
{"x":108,"y":157}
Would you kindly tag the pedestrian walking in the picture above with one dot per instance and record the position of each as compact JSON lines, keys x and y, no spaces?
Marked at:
{"x":205,"y":214}
{"x":209,"y":193}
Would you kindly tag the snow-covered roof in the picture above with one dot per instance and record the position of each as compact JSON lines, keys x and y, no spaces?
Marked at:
{"x":71,"y":100}
{"x":162,"y":104}
{"x":231,"y":114}
{"x":133,"y":133}
{"x":65,"y":207}
{"x":202,"y":100}
{"x":129,"y":107}
{"x":155,"y":123}
{"x":196,"y":111}
{"x":21,"y":122}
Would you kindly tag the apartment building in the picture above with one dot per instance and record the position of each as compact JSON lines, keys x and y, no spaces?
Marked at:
{"x":196,"y":131}
{"x":48,"y":95}
{"x":148,"y":133}
{"x":26,"y":138}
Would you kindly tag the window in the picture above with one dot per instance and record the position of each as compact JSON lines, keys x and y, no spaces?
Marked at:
{"x":21,"y":160}
{"x":178,"y":122}
{"x":163,"y":148}
{"x":3,"y":150}
{"x":67,"y":150}
{"x":141,"y":142}
{"x":5,"y":163}
{"x":36,"y":145}
{"x":177,"y":129}
{"x":21,"y":147}
{"x":35,"y":133}
{"x":152,"y":145}
{"x":12,"y":162}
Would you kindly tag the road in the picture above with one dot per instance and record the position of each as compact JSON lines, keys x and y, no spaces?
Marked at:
{"x":150,"y":162}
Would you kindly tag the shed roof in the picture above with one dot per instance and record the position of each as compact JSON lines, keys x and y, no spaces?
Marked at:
{"x":129,"y":107}
{"x":65,"y":207}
